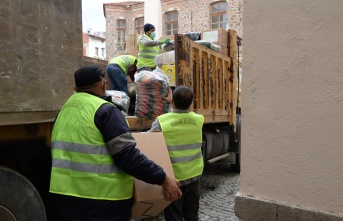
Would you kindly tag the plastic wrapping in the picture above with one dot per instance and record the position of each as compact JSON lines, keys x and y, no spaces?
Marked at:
{"x":215,"y":47}
{"x":151,"y":86}
{"x":194,"y":36}
{"x":168,"y":47}
{"x":119,"y":98}
{"x":165,"y":58}
{"x":209,"y":45}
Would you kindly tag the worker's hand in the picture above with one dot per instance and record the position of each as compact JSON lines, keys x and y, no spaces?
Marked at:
{"x":165,"y":41}
{"x":171,"y":189}
{"x":169,"y":98}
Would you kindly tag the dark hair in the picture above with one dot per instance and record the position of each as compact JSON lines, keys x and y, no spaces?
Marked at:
{"x":148,"y":27}
{"x":183,"y":97}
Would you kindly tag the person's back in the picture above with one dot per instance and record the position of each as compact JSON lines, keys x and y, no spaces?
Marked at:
{"x":94,"y":158}
{"x":118,"y":69}
{"x":182,"y":131}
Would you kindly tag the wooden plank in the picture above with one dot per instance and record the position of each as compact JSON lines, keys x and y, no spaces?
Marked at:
{"x":27,"y":131}
{"x":138,"y":123}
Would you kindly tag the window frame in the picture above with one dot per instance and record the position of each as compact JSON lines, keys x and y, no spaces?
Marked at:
{"x":218,"y":15}
{"x":172,"y":22}
{"x":139,"y":29}
{"x":96,"y":51}
{"x":121,"y":31}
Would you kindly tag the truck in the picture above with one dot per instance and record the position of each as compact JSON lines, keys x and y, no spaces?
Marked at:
{"x":215,"y":80}
{"x":41,"y":44}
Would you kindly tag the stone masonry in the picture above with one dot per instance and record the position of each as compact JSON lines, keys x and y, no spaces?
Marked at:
{"x":194,"y":16}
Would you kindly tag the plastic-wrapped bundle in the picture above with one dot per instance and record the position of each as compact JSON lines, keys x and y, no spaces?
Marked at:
{"x":168,"y":47}
{"x":210,"y":45}
{"x":194,"y":36}
{"x":165,"y":58}
{"x":215,"y":47}
{"x":207,"y":44}
{"x":120,"y":99}
{"x":151,"y":86}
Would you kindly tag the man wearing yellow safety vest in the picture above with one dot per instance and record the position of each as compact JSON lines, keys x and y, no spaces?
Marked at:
{"x":118,"y":69}
{"x":148,"y":48}
{"x":94,"y":156}
{"x":182,"y":130}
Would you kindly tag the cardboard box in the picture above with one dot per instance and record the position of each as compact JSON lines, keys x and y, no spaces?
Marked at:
{"x":149,"y":199}
{"x":131,"y":42}
{"x":217,"y":36}
{"x":169,"y":70}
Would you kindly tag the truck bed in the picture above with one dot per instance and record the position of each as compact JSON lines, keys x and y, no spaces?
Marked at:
{"x":211,"y":76}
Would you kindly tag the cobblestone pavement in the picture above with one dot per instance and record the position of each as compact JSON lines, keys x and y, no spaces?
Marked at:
{"x":219,"y":186}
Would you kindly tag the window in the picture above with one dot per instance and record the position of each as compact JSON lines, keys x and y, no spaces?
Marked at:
{"x":218,"y":15}
{"x":139,"y":25}
{"x":103,"y":52}
{"x":121,"y":28}
{"x":171,"y":22}
{"x":96,"y":51}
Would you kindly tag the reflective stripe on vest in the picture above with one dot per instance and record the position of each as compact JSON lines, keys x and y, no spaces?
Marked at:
{"x":183,"y":135}
{"x":146,"y":55}
{"x":82,"y":165}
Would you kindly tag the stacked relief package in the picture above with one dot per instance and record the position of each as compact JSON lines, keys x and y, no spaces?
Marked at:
{"x":151,"y":87}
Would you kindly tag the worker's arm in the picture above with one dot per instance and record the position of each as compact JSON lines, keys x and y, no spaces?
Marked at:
{"x":155,"y":126}
{"x":122,"y":146}
{"x":143,"y":40}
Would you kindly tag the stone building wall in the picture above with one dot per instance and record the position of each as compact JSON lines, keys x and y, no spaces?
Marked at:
{"x":194,"y":16}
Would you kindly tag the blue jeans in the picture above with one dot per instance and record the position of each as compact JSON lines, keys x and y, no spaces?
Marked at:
{"x":117,"y":78}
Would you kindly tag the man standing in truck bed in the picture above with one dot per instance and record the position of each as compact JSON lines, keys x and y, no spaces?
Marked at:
{"x":148,"y":48}
{"x":182,"y":131}
{"x":94,"y":156}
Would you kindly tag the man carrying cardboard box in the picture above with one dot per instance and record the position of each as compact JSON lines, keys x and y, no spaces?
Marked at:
{"x":94,"y":156}
{"x":182,"y":131}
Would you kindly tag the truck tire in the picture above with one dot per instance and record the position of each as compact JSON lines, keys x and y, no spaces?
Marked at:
{"x":19,"y":199}
{"x":236,"y":167}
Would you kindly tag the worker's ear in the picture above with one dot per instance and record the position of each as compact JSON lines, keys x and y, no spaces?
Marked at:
{"x":103,"y":84}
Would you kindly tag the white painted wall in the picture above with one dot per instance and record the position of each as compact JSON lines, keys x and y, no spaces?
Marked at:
{"x":95,"y":42}
{"x":292,"y":127}
{"x":153,"y":14}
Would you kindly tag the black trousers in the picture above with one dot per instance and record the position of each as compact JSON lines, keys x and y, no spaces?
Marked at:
{"x":186,"y":208}
{"x":80,"y":209}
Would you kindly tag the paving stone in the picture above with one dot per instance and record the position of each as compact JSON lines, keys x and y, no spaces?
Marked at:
{"x":219,"y":186}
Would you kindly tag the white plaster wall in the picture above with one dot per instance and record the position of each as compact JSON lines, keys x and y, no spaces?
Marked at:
{"x":153,"y":14}
{"x":94,"y":42}
{"x":292,"y":127}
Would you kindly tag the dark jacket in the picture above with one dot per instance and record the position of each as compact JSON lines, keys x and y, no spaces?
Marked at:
{"x":112,"y":124}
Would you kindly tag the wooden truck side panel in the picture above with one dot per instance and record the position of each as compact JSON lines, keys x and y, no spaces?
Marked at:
{"x":211,"y":77}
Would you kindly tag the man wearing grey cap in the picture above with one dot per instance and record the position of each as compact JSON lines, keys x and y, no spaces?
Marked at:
{"x":148,"y":48}
{"x":94,"y":156}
